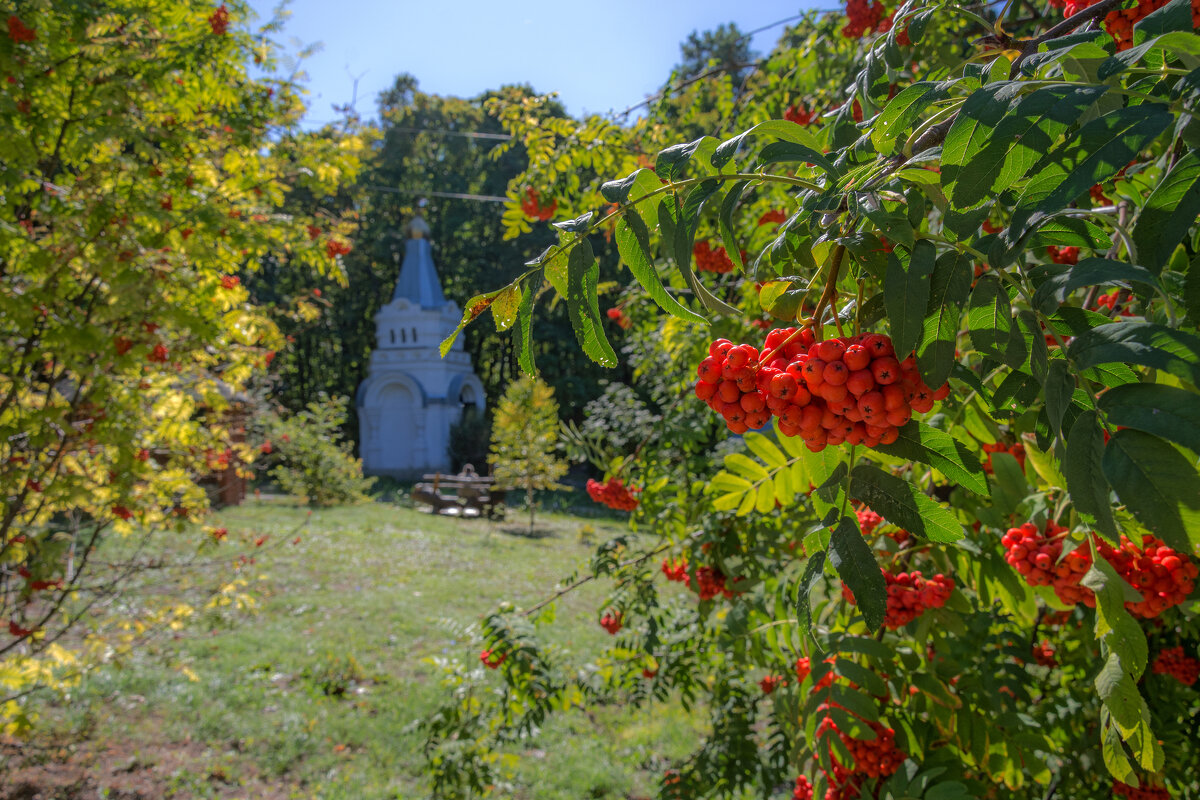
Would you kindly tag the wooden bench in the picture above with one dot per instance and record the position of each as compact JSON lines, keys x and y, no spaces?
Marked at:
{"x":473,"y":495}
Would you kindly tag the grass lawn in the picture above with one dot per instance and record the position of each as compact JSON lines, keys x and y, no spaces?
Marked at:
{"x":313,"y":695}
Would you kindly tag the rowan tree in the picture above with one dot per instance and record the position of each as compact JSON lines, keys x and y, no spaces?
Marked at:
{"x":145,"y":169}
{"x":920,"y":316}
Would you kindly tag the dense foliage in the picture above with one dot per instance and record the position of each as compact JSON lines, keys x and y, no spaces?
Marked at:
{"x":936,"y":270}
{"x":307,"y":457}
{"x":144,"y":168}
{"x":451,"y":152}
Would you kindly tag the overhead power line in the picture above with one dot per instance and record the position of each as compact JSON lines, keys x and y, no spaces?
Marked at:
{"x":490,"y":198}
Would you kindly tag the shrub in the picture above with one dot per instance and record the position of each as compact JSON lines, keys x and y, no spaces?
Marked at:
{"x":311,"y":459}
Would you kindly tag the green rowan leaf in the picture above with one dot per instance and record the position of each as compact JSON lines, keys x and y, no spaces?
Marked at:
{"x":633,"y":243}
{"x":583,"y":304}
{"x":1085,"y":477}
{"x":1143,"y":343}
{"x":1165,"y":411}
{"x":938,"y":449}
{"x":903,"y":504}
{"x":989,"y":317}
{"x":725,"y":223}
{"x":525,"y":331}
{"x":855,"y":562}
{"x":1157,"y":484}
{"x":1170,"y":211}
{"x":814,"y":570}
{"x":999,"y":135}
{"x":906,"y":291}
{"x":948,"y":292}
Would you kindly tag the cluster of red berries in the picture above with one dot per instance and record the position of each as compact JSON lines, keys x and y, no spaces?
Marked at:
{"x":614,"y":494}
{"x":230,"y":282}
{"x":868,"y":521}
{"x":878,"y":757}
{"x":532,"y":206}
{"x":18,"y":31}
{"x":1120,"y":21}
{"x":909,"y":595}
{"x":219,"y":20}
{"x":334,"y":248}
{"x":710,"y":582}
{"x":14,"y":629}
{"x":1044,"y":654}
{"x":611,"y":622}
{"x":804,"y":669}
{"x":799,"y":115}
{"x":711,"y":259}
{"x":865,"y":17}
{"x":776,"y":216}
{"x":1017,"y":451}
{"x":36,"y":585}
{"x":491,"y":659}
{"x":1063,"y":255}
{"x":1164,"y":576}
{"x":1178,"y":664}
{"x":1037,"y":555}
{"x":676,"y":571}
{"x":620,"y":317}
{"x":1146,"y":792}
{"x":1110,"y":301}
{"x":771,"y":682}
{"x":847,"y":389}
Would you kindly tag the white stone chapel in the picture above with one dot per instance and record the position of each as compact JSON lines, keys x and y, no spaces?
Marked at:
{"x":412,"y":396}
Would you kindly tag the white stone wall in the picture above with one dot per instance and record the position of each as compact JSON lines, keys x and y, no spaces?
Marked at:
{"x":411,"y":396}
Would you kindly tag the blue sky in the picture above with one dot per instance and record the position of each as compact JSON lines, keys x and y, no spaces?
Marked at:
{"x":597,"y":56}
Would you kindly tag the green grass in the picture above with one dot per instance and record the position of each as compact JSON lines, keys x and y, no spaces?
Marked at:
{"x":316,"y":692}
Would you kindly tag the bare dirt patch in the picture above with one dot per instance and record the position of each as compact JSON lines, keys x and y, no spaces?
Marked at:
{"x":122,"y":771}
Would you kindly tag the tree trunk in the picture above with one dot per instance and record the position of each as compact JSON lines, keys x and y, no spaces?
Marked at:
{"x":529,"y":500}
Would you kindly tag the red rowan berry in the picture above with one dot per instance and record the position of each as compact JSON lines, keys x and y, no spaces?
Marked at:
{"x":1176,"y":663}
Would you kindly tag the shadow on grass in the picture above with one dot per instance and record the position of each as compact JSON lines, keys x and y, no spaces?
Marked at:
{"x":525,"y":533}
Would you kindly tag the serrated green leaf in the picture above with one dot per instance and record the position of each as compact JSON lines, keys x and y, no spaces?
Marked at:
{"x":671,"y":162}
{"x":525,"y":332}
{"x":989,"y":317}
{"x":855,"y":563}
{"x":765,"y":501}
{"x":1095,"y":154}
{"x":1170,"y":211}
{"x":743,"y":465}
{"x":1144,"y":343}
{"x":948,"y":291}
{"x":906,"y":290}
{"x":938,"y":449}
{"x":1058,"y":388}
{"x":1157,"y":484}
{"x":901,"y":112}
{"x":505,"y":306}
{"x":813,"y":571}
{"x":1085,"y":478}
{"x":1088,"y":272}
{"x":1165,"y":411}
{"x":765,"y":449}
{"x":583,"y":304}
{"x":633,"y":243}
{"x":903,"y":504}
{"x":999,"y":135}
